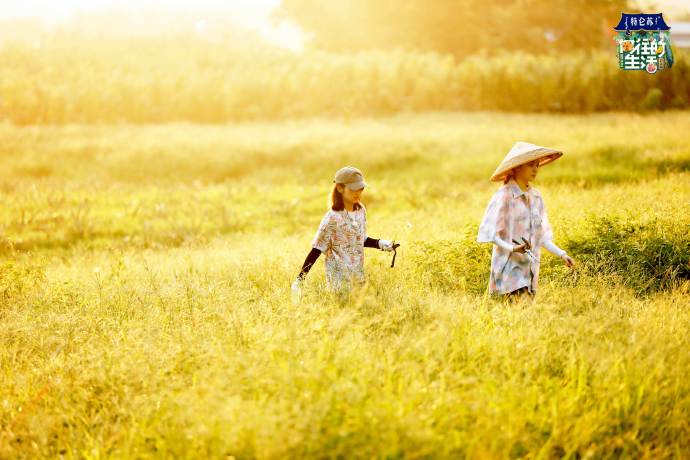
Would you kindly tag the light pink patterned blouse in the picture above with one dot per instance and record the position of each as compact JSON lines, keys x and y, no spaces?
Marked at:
{"x":340,"y":238}
{"x":513,"y":214}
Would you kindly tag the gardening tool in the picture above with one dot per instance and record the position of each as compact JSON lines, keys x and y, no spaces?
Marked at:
{"x":528,"y":250}
{"x":395,"y":253}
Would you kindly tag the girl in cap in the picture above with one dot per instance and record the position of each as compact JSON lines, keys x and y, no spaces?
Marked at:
{"x":342,"y":235}
{"x":516,"y":223}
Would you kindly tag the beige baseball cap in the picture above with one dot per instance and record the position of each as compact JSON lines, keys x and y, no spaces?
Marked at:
{"x":351,"y":177}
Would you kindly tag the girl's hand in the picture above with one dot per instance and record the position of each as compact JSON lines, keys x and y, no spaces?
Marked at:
{"x":568,"y":260}
{"x":385,"y":245}
{"x":520,"y":248}
{"x":296,"y":289}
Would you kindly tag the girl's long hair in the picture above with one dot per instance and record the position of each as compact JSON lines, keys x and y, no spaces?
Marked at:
{"x":337,"y":203}
{"x":509,"y":176}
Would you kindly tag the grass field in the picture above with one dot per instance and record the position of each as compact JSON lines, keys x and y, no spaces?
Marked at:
{"x":144,"y":293}
{"x":72,"y":81}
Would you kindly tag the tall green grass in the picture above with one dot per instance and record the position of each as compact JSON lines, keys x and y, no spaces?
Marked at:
{"x":144,"y":81}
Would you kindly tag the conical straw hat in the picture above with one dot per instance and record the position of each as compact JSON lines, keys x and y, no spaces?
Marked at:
{"x":521,"y":153}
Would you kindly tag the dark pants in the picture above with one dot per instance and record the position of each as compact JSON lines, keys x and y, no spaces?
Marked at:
{"x":520,"y":293}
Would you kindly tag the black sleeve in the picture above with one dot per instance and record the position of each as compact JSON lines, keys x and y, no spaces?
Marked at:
{"x":371,"y":243}
{"x":309,"y":261}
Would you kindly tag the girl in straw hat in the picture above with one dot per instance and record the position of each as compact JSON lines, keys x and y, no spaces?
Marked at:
{"x":342,"y":235}
{"x":516,"y":223}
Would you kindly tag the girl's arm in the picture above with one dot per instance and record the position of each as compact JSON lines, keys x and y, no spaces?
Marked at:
{"x":498,"y":241}
{"x":308,"y":262}
{"x":548,"y":237}
{"x":553,"y":249}
{"x":384,"y":245}
{"x":319,"y":244}
{"x":371,"y":243}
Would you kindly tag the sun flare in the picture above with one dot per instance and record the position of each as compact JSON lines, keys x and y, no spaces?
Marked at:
{"x":250,"y":15}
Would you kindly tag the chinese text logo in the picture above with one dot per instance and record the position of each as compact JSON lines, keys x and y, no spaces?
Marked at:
{"x":644,"y":42}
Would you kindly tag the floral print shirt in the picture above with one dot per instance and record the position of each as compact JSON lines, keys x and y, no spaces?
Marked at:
{"x":340,"y":238}
{"x":513,"y":214}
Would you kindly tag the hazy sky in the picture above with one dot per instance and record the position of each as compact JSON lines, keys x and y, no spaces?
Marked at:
{"x":251,"y":12}
{"x":57,"y":10}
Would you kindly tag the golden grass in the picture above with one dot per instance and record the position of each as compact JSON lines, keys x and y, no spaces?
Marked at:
{"x":145,"y":305}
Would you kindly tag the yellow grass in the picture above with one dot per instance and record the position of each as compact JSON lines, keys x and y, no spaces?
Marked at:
{"x":144,"y":293}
